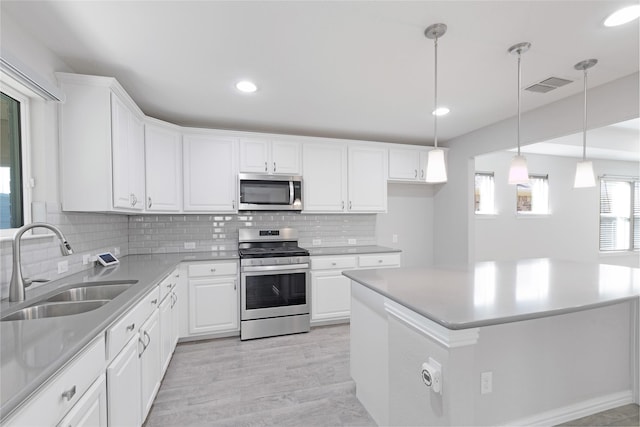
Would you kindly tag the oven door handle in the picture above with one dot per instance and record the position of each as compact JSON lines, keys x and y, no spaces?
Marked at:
{"x":290,"y":192}
{"x":265,"y":268}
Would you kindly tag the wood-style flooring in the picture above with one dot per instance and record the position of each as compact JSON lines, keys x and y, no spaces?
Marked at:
{"x":294,"y":380}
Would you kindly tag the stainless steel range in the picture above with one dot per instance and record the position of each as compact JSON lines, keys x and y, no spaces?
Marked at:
{"x":274,"y":283}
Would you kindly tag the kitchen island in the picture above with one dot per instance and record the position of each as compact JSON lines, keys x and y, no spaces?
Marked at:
{"x":535,"y":341}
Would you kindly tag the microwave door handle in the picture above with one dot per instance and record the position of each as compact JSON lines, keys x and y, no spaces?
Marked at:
{"x":291,"y":193}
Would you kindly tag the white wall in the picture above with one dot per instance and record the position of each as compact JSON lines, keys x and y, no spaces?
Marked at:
{"x":410,"y":217}
{"x":569,"y":232}
{"x":454,"y":228}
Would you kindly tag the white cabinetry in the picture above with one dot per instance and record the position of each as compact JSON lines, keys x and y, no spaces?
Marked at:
{"x":408,"y":164}
{"x":163,"y":166}
{"x":168,"y":319}
{"x":91,"y":409}
{"x":101,"y":146}
{"x":64,"y":390}
{"x":344,"y":178}
{"x":269,"y":156}
{"x":213,"y":298}
{"x":331,"y":291}
{"x":150,"y":370}
{"x":124,"y":393}
{"x":210,"y":173}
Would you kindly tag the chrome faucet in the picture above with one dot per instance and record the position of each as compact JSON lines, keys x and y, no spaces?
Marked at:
{"x":18,"y":283}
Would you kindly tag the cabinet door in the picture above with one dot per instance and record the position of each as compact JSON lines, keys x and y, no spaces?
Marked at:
{"x":213,"y":305}
{"x":166,"y":334}
{"x":163,"y":166}
{"x":331,"y":295}
{"x":424,"y":155}
{"x":136,"y":161}
{"x":91,"y":409}
{"x":123,"y":387}
{"x":121,"y":154}
{"x":285,"y":158}
{"x":325,"y":175}
{"x":175,"y":320}
{"x":404,"y":164}
{"x":210,"y":173}
{"x":367,"y":179}
{"x":149,"y":361}
{"x":254,"y":156}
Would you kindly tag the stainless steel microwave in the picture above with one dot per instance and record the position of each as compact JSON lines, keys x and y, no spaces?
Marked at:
{"x":269,"y":192}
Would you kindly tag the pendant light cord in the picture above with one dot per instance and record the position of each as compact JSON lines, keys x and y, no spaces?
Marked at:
{"x":519,"y":78}
{"x":435,"y":90}
{"x":584,"y":120}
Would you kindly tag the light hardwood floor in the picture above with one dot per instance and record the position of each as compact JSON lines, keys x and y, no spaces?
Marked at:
{"x":294,"y":380}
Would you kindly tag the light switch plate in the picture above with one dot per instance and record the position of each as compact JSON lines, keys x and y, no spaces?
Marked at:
{"x":352,"y":241}
{"x":63,"y":267}
{"x":189,"y":245}
{"x":317,"y":242}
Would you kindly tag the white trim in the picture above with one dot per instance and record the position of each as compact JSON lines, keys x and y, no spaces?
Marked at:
{"x":19,"y":72}
{"x":576,"y":410}
{"x":447,"y":337}
{"x":20,"y":95}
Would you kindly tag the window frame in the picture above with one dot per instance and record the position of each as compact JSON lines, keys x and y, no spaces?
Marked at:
{"x":493,"y":196}
{"x":633,"y":182}
{"x":23,"y":96}
{"x":533,"y":214}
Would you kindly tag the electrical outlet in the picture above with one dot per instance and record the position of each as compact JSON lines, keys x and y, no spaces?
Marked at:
{"x":317,"y":242}
{"x":394,"y":238}
{"x":486,"y":382}
{"x":351,"y":241}
{"x":63,"y":267}
{"x":86,"y":259}
{"x":116,"y":251}
{"x":189,"y":245}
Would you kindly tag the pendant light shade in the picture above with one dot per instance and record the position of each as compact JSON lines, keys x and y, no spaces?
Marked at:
{"x":436,"y":168}
{"x":585,"y":177}
{"x":518,"y":172}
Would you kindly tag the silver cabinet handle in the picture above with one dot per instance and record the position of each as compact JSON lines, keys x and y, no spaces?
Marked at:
{"x":265,"y":167}
{"x":343,"y":205}
{"x":235,"y":286}
{"x":169,"y":285}
{"x":421,"y":173}
{"x":333,"y":263}
{"x":233,"y":205}
{"x":154,"y":302}
{"x":274,"y":166}
{"x":415,"y":173}
{"x":150,"y":203}
{"x":144,"y":347}
{"x":174,"y":299}
{"x":379,"y":261}
{"x":350,"y":205}
{"x":69,"y":393}
{"x":131,"y":327}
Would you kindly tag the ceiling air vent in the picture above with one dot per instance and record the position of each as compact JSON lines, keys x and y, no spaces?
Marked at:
{"x":548,"y":84}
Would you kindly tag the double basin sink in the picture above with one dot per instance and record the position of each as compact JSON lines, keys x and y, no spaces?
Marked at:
{"x":73,"y":300}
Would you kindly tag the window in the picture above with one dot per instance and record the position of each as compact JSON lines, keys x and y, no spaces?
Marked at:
{"x":619,"y":214}
{"x":485,"y":193}
{"x":533,"y":198}
{"x":11,"y":199}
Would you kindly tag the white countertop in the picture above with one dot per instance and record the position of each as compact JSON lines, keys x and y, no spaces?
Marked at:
{"x":349,"y":250}
{"x":490,"y":293}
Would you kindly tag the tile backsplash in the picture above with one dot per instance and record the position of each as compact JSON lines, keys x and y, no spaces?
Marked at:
{"x":188,"y":233}
{"x":92,"y":233}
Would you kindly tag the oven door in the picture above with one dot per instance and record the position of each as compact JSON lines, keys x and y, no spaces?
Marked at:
{"x":273,"y":291}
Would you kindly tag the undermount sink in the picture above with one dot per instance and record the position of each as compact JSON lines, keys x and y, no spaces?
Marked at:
{"x":100,"y":291}
{"x":55,"y":309}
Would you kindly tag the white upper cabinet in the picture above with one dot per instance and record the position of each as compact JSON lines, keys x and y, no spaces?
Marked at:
{"x":210,"y":172}
{"x":325,"y":177}
{"x":269,"y":156}
{"x":163,"y":166}
{"x":101,"y":146}
{"x":408,"y":164}
{"x":367,"y":179}
{"x":340,"y":177}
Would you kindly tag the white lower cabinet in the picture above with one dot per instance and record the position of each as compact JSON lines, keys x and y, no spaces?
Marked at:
{"x":168,"y":327}
{"x":150,"y":373}
{"x":213,"y":298}
{"x":91,"y":409}
{"x":331,"y":291}
{"x":123,"y":387}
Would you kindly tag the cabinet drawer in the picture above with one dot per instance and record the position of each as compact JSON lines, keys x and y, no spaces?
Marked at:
{"x":61,"y":392}
{"x":168,"y":283}
{"x":379,"y":260}
{"x":213,"y":269}
{"x":333,"y":263}
{"x":127,"y":327}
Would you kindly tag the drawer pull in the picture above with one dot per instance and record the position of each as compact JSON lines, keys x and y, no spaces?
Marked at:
{"x":169,"y":285}
{"x":379,"y":261}
{"x":154,"y":301}
{"x":333,"y":263}
{"x":213,"y":270}
{"x":69,"y":393}
{"x":131,"y":327}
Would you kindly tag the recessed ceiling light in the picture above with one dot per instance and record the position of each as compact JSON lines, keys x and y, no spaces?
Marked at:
{"x":246,"y":86}
{"x":440,"y":111}
{"x":622,"y":16}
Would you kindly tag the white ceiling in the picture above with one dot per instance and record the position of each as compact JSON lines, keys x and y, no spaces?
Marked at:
{"x":359,"y":69}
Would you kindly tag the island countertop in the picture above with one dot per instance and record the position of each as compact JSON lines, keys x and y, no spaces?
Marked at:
{"x":490,"y":293}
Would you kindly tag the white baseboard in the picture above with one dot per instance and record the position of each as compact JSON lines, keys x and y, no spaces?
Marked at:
{"x":575,"y":411}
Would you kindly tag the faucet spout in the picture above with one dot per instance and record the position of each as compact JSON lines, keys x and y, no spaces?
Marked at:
{"x":17,"y":285}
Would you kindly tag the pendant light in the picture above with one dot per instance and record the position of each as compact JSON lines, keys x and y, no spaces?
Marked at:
{"x":584,"y":169}
{"x":518,"y":172}
{"x":436,"y":169}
